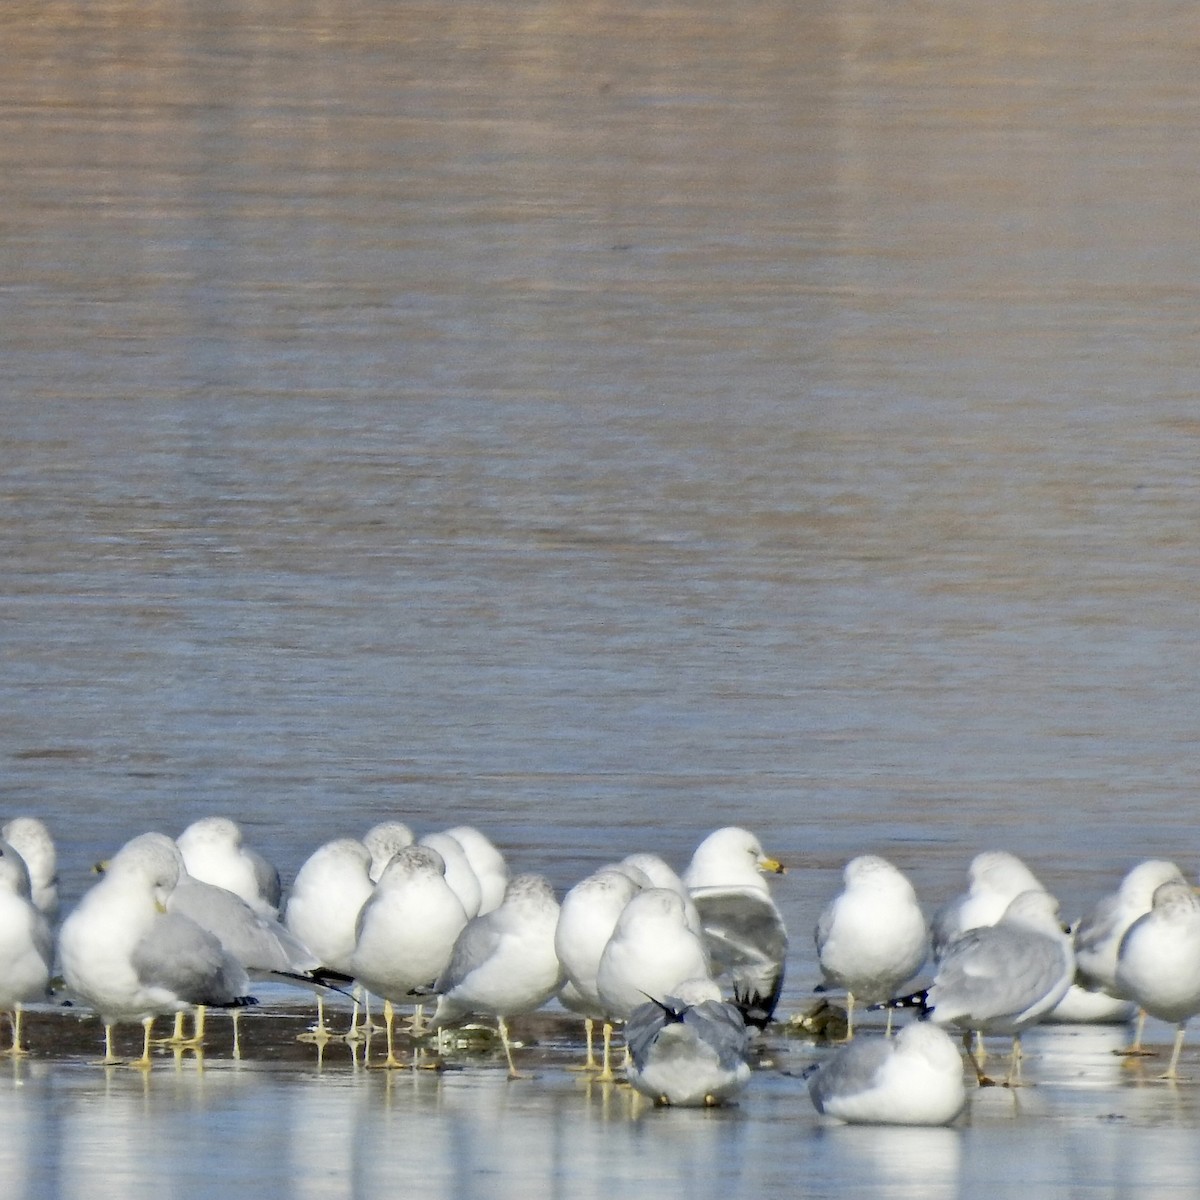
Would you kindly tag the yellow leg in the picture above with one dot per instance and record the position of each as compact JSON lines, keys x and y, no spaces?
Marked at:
{"x":16,"y":1050}
{"x":606,"y":1071}
{"x":110,"y":1059}
{"x":513,"y":1073}
{"x":389,"y":1024}
{"x":145,"y":1062}
{"x":319,"y":1033}
{"x":1172,"y":1072}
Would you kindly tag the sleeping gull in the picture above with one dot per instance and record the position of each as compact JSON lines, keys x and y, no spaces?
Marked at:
{"x":460,"y":875}
{"x":872,"y":937}
{"x":406,"y":933}
{"x":1158,"y":964}
{"x":743,"y":930}
{"x":26,"y":944}
{"x":30,"y":838}
{"x":213,"y":851}
{"x":915,"y":1078}
{"x":487,"y":862}
{"x":263,"y":946}
{"x":586,"y":920}
{"x":385,"y":840}
{"x":1098,"y":936}
{"x":503,"y":963}
{"x":322,"y":911}
{"x":651,"y":952}
{"x":131,"y":959}
{"x":996,"y":879}
{"x":688,"y":1049}
{"x":1001,"y":978}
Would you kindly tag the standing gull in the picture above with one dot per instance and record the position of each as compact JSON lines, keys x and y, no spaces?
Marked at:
{"x":26,"y":944}
{"x":504,"y":963}
{"x":1158,"y":964}
{"x":688,"y":1049}
{"x":406,"y":933}
{"x":1001,"y":978}
{"x":872,"y":937}
{"x":651,"y":952}
{"x":327,"y":895}
{"x":743,"y":930}
{"x":129,"y":958}
{"x":1098,"y":936}
{"x":587,"y":917}
{"x":915,"y":1078}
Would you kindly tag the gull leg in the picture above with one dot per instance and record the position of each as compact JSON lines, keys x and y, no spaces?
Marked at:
{"x":1172,"y":1072}
{"x":145,"y":1062}
{"x":389,"y":1022}
{"x":606,"y":1071}
{"x":980,"y":1078}
{"x":513,"y":1073}
{"x":589,"y":1063}
{"x":109,"y":1059}
{"x":319,"y":1033}
{"x":1135,"y":1049}
{"x":16,"y":1050}
{"x":235,"y":1014}
{"x":1013,"y":1079}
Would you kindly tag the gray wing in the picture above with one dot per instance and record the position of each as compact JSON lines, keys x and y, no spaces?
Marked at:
{"x":994,"y":972}
{"x":852,"y":1070}
{"x":266,"y":874}
{"x":180,"y":957}
{"x":645,"y":1023}
{"x":722,"y":1027}
{"x":824,"y":925}
{"x":747,"y":941}
{"x":474,"y":945}
{"x":257,"y":942}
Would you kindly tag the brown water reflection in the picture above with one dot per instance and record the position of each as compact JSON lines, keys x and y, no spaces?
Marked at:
{"x":600,"y":422}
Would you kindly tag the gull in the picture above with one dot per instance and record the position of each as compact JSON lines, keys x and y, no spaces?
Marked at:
{"x":263,"y":946}
{"x":872,"y":937}
{"x":30,"y":838}
{"x":383,"y":841}
{"x":1001,"y":978}
{"x":1158,"y":964}
{"x":212,"y":850}
{"x":688,"y":1049}
{"x":586,"y":920}
{"x":129,"y":958}
{"x":488,"y":864}
{"x":651,"y":952}
{"x":996,"y":879}
{"x":503,"y":963}
{"x":915,"y":1078}
{"x":327,"y":895}
{"x":406,"y":932}
{"x":743,"y":930}
{"x":26,"y":944}
{"x":460,"y":875}
{"x":1098,"y":936}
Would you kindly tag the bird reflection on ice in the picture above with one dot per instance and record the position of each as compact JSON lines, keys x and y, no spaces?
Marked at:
{"x":74,"y":1131}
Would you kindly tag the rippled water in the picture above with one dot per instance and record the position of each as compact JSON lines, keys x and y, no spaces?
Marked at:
{"x":600,"y":423}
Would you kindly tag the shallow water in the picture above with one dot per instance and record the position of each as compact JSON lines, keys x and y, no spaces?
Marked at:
{"x":598,"y":424}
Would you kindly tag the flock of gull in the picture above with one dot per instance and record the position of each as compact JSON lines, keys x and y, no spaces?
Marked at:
{"x":691,"y":966}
